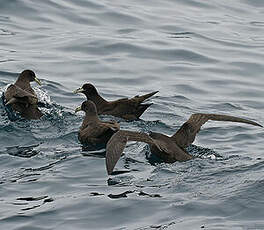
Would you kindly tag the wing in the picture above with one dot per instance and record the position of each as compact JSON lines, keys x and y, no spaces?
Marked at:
{"x":16,"y":94}
{"x":117,"y":143}
{"x":92,"y":131}
{"x":171,"y":152}
{"x":113,"y":125}
{"x":126,"y":107}
{"x":187,"y":132}
{"x":122,"y":106}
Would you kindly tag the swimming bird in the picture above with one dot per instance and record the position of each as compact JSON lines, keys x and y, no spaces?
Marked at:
{"x":93,"y":131}
{"x":168,"y":149}
{"x":127,"y":108}
{"x":21,"y":97}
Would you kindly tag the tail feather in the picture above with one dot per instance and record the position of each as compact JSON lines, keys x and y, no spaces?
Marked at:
{"x":141,"y":109}
{"x":146,"y":96}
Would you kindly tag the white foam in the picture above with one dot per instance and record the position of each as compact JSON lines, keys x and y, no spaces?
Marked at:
{"x":42,"y":95}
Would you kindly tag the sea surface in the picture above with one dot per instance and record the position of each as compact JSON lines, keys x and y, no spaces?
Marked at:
{"x":202,"y":56}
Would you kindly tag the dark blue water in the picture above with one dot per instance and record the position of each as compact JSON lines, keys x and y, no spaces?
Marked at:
{"x":203,"y":56}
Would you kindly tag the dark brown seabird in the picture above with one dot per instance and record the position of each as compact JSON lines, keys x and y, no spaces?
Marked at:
{"x":22,"y":98}
{"x":93,"y":131}
{"x":127,"y":108}
{"x":168,"y":149}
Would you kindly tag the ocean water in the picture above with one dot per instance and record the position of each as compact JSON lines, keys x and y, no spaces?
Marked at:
{"x":202,"y":56}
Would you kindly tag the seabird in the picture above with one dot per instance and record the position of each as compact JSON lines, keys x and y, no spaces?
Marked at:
{"x":126,"y":108}
{"x":168,"y":149}
{"x":21,"y":97}
{"x":93,"y":131}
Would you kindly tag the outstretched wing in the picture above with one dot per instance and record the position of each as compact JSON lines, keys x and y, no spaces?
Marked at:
{"x":187,"y":132}
{"x":117,"y":144}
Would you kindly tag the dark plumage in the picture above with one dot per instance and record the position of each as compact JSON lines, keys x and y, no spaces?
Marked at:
{"x":94,"y":131}
{"x":169,"y":149}
{"x":129,"y":109}
{"x":22,"y":98}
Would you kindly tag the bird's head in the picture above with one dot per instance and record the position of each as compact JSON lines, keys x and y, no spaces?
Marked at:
{"x":88,"y":107}
{"x":88,"y":89}
{"x":28,"y":75}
